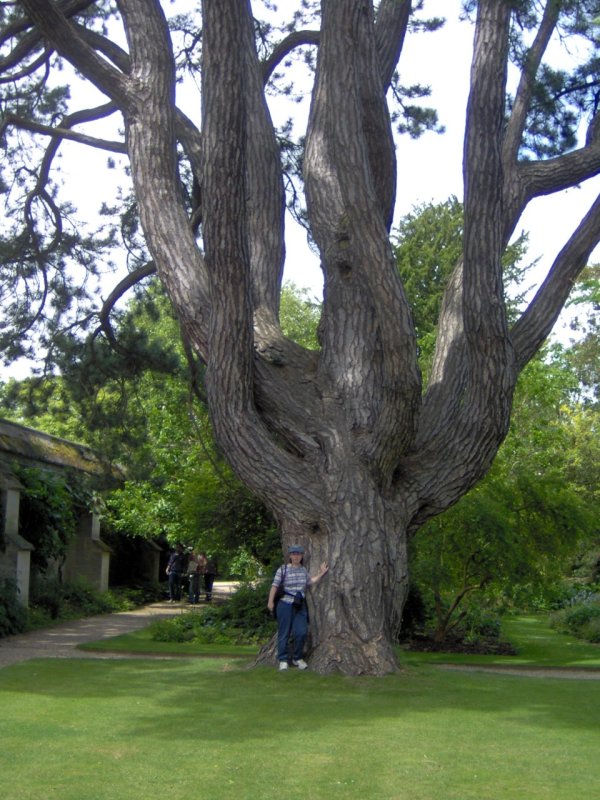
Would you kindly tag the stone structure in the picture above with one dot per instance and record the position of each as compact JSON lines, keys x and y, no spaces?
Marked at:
{"x":88,"y":557}
{"x":15,"y":559}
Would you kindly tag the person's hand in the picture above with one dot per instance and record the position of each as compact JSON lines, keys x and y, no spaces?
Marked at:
{"x":324,"y":568}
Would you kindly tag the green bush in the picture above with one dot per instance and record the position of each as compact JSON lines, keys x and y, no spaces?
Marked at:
{"x":591,"y":631}
{"x":139,"y":595}
{"x":178,"y":629}
{"x":51,"y":600}
{"x":242,"y":619}
{"x":13,"y":616}
{"x":46,"y":597}
{"x":480,"y":624}
{"x":581,"y":619}
{"x":246,"y":609}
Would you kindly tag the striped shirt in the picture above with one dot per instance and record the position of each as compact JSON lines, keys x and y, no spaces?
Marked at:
{"x":296,"y":580}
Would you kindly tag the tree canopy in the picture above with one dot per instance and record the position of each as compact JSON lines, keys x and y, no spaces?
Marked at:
{"x":345,"y":444}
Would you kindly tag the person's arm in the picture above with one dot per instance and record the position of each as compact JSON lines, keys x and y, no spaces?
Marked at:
{"x":323,"y":571}
{"x":277,"y":580}
{"x":271,"y":600}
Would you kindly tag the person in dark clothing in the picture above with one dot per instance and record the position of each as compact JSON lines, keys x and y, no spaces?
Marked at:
{"x":194,"y":571}
{"x":175,"y":569}
{"x":210,"y":573}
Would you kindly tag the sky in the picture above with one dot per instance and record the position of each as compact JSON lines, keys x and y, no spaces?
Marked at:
{"x":429,"y":168}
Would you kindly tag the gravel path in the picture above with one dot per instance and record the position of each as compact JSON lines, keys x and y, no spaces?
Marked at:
{"x":61,"y":640}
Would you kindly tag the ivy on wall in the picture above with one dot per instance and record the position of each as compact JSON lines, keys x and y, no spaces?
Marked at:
{"x":50,"y":505}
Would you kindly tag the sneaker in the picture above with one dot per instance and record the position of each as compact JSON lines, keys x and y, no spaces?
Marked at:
{"x":283,"y":665}
{"x":300,"y":663}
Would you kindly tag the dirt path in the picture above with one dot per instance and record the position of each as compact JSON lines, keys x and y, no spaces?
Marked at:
{"x":61,"y":641}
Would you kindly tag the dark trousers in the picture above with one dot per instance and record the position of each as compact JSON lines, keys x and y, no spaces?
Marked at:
{"x":174,"y":585}
{"x":291,"y":622}
{"x":194,"y":590}
{"x":209,"y":579}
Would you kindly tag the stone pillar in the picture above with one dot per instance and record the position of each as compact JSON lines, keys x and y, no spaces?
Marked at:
{"x":88,"y":557}
{"x":15,"y":559}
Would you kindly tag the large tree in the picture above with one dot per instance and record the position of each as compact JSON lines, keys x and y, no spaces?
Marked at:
{"x":344,"y":444}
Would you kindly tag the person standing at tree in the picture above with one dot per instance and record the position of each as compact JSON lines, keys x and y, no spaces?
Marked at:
{"x":291,"y":611}
{"x":175,"y":571}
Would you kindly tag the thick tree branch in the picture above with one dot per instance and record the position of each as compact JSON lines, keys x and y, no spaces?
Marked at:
{"x":56,"y":28}
{"x":348,"y":213}
{"x":187,"y":133}
{"x":63,"y":131}
{"x":473,"y":373}
{"x":255,"y":455}
{"x":390,"y":27}
{"x":265,"y":194}
{"x":534,"y":326}
{"x":131,"y":279}
{"x":563,"y":172}
{"x":516,"y":124}
{"x":150,"y":121}
{"x":284,"y":48}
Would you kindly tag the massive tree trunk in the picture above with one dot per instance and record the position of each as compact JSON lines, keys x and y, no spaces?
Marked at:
{"x":343,"y":445}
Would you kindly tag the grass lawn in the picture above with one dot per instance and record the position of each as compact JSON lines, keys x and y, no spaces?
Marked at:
{"x":141,"y":642}
{"x":537,"y":645}
{"x":211,"y":729}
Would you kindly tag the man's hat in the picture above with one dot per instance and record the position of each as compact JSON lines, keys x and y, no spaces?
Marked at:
{"x":296,"y":548}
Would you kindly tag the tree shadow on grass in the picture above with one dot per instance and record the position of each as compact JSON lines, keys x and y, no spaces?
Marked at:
{"x":187,"y":698}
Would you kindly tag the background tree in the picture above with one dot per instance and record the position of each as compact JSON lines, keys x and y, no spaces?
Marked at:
{"x":512,"y":540}
{"x":344,"y":445}
{"x":427,"y":244}
{"x":144,"y":414}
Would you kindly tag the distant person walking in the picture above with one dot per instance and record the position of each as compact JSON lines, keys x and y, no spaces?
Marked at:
{"x":210,"y":573}
{"x":193,"y":571}
{"x":174,"y":572}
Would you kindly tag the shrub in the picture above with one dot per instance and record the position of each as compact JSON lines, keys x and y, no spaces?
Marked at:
{"x":51,"y":600}
{"x":414,"y":614}
{"x":480,"y":624}
{"x":178,"y":629}
{"x":138,"y":595}
{"x":13,"y":616}
{"x":581,"y":619}
{"x":242,"y":619}
{"x":246,"y":609}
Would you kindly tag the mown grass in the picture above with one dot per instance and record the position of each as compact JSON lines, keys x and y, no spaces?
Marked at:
{"x":141,"y":643}
{"x":537,"y":645}
{"x":214,"y":729}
